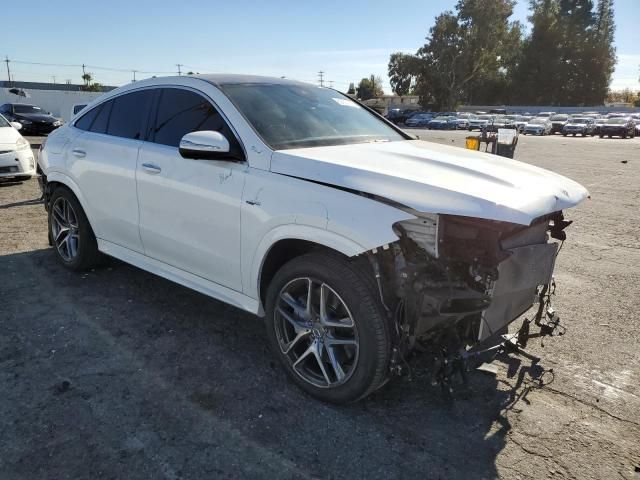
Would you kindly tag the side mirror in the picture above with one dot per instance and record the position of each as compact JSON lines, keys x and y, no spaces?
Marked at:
{"x":204,"y":145}
{"x":16,"y":125}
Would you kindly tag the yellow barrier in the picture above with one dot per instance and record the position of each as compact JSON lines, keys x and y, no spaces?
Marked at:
{"x":473,"y":143}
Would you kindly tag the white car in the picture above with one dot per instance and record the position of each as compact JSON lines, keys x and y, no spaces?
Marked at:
{"x":293,"y":202}
{"x":537,"y":126}
{"x":480,"y":121}
{"x":16,"y":157}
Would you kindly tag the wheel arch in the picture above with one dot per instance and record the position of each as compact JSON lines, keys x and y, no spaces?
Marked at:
{"x":56,"y":179}
{"x":283,"y":244}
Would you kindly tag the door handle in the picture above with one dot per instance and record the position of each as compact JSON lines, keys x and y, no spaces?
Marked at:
{"x":151,"y":168}
{"x":78,"y":153}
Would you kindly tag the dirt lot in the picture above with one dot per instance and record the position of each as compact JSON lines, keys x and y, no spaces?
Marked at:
{"x":116,"y":373}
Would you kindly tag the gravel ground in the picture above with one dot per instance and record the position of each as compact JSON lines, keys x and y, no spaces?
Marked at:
{"x":116,"y":373}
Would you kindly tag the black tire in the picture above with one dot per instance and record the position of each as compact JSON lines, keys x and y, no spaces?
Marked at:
{"x":564,"y":134}
{"x":87,"y":255}
{"x":624,"y":135}
{"x":601,"y":136}
{"x":357,"y":289}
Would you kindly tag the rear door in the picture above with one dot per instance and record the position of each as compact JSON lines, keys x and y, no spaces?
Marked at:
{"x":190,"y":209}
{"x":103,"y":161}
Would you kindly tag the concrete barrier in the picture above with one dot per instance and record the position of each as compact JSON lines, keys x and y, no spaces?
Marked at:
{"x":59,"y":103}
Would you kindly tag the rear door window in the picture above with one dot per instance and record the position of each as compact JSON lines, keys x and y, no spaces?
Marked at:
{"x":101,"y":121}
{"x":84,"y":122}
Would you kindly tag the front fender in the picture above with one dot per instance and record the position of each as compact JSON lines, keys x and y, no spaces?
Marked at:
{"x":297,"y":232}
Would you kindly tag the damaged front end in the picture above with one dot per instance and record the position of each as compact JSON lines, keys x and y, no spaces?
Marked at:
{"x":452,"y":284}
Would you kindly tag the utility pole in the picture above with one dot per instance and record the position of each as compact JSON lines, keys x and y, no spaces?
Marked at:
{"x":6,"y":60}
{"x":179,"y":65}
{"x":134,"y":75}
{"x":83,"y":71}
{"x":54,"y":79}
{"x":330,"y":83}
{"x":321,"y":78}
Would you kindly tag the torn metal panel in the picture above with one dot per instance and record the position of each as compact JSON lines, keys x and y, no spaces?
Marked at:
{"x":513,"y":293}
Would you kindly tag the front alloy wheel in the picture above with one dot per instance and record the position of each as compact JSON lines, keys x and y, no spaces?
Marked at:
{"x":316,"y":332}
{"x":328,"y":327}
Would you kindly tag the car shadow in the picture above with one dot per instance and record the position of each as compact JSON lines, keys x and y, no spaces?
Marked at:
{"x":24,"y":203}
{"x":131,"y":337}
{"x":4,"y":182}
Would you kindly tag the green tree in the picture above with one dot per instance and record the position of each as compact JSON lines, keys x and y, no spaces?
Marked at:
{"x":569,"y":57}
{"x":89,"y":85}
{"x":602,"y":56}
{"x":402,"y":68}
{"x":370,"y":88}
{"x":464,"y":52}
{"x":86,"y":78}
{"x":352,"y":89}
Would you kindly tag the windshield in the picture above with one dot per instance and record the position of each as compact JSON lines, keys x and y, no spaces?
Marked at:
{"x":559,"y":118}
{"x":298,"y":115}
{"x":484,"y":117}
{"x":617,"y":121}
{"x":4,"y":122}
{"x":443,"y":119}
{"x":537,"y":121}
{"x":26,"y":109}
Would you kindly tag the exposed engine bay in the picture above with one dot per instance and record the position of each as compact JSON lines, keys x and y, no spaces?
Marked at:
{"x":453,"y":284}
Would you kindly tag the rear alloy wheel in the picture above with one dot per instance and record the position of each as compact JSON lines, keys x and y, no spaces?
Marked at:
{"x":70,"y":232}
{"x":325,"y":323}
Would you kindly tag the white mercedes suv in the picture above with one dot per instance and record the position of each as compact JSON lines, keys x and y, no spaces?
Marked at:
{"x":356,"y":242}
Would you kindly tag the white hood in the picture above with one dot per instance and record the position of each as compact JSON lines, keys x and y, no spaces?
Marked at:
{"x":434,"y":178}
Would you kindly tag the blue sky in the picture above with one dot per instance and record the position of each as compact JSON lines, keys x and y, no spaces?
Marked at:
{"x":294,"y":38}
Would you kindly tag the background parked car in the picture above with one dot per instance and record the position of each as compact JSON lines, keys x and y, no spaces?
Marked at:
{"x":479,"y":122}
{"x":521,"y":121}
{"x":34,"y":119}
{"x":616,"y":126}
{"x":419,"y":120}
{"x":462,"y":121}
{"x":499,"y":121}
{"x":599,"y":122}
{"x":636,"y":120}
{"x":538,"y":126}
{"x":545,"y":114}
{"x":16,"y":157}
{"x":579,"y":126}
{"x":558,"y":122}
{"x":442,"y":123}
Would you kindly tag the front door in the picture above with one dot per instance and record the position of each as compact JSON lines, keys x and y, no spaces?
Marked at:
{"x":190,"y":209}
